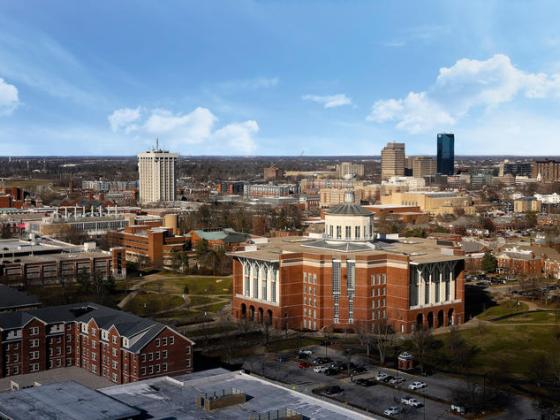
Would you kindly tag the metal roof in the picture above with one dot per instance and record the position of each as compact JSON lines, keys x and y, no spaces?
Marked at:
{"x":66,"y":400}
{"x":349,"y":209}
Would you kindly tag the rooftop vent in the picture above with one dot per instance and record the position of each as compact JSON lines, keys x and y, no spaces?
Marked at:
{"x":281,"y":414}
{"x":225,"y":398}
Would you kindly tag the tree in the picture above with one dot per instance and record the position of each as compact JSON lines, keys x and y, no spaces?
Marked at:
{"x":459,"y":352}
{"x":489,"y":263}
{"x":384,"y":339}
{"x":84,"y":281}
{"x":422,"y":341}
{"x":531,"y":219}
{"x":488,"y":224}
{"x":5,"y":231}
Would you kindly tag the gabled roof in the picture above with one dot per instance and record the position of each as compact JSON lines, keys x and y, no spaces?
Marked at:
{"x":139,"y":331}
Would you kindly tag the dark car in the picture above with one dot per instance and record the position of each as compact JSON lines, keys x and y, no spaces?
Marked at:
{"x":387,"y":379}
{"x":333,"y":390}
{"x":365,"y":382}
{"x":338,"y":365}
{"x":331,"y":371}
{"x":321,"y":361}
{"x":283,"y":359}
{"x":358,"y":369}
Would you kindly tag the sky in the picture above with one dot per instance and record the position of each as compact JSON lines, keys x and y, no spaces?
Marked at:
{"x":290,"y":77}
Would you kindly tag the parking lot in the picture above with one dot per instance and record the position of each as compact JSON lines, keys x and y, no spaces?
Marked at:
{"x":435,"y":398}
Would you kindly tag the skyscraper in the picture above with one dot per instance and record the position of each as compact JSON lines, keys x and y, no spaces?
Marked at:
{"x":392,"y":160}
{"x":446,"y":153}
{"x":156,"y":169}
{"x":423,"y":166}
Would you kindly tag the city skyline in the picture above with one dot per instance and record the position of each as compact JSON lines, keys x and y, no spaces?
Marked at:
{"x":254,"y":78}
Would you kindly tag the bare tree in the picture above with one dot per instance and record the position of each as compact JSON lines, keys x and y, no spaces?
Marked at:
{"x":422,"y":342}
{"x":383,"y":338}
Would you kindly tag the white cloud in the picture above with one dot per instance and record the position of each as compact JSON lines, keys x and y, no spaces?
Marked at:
{"x":467,"y":85}
{"x":180,"y":131}
{"x":239,"y":136}
{"x":329,"y":101}
{"x":249,"y":84}
{"x":9,"y":98}
{"x":124,"y":119}
{"x":191,"y":128}
{"x":415,"y":113}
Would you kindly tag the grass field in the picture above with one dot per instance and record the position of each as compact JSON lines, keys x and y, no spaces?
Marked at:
{"x":545,"y":317}
{"x":146,"y":304}
{"x":206,"y":294}
{"x":510,"y":349}
{"x":26,"y":183}
{"x":506,"y":308}
{"x":197,"y":285}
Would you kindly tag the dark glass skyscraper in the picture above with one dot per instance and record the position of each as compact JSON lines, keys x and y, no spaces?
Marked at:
{"x":445,"y":153}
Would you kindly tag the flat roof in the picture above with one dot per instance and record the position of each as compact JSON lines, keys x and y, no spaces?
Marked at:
{"x":419,"y":250}
{"x":175,"y":397}
{"x":50,"y":376}
{"x":64,"y":400}
{"x":63,"y":256}
{"x":11,"y":298}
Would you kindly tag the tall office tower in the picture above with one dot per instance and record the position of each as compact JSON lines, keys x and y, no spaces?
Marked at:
{"x":446,"y":153}
{"x":349,"y":168}
{"x":392,"y":160}
{"x":423,"y":166}
{"x":156,"y":169}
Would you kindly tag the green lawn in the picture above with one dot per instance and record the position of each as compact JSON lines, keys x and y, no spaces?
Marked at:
{"x":197,"y":285}
{"x":146,"y":304}
{"x":200,"y":300}
{"x":544,"y":317}
{"x":509,"y":349}
{"x":506,"y":308}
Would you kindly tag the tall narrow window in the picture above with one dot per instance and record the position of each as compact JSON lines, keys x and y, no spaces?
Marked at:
{"x":336,"y":275}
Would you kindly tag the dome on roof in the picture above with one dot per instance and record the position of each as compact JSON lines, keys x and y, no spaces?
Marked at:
{"x":348,"y":209}
{"x":348,"y":222}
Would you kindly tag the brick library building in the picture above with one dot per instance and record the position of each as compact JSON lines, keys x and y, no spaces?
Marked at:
{"x":346,"y":279}
{"x":107,"y":342}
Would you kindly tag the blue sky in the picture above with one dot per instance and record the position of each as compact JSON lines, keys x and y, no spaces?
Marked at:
{"x":287,"y":77}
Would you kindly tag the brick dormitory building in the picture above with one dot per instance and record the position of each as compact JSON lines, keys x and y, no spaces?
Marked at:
{"x":346,"y":278}
{"x":106,"y":342}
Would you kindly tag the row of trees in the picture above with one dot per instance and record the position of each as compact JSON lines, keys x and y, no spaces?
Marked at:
{"x":257,"y":220}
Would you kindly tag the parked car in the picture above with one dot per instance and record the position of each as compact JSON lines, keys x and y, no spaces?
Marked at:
{"x":338,"y":365}
{"x":387,"y":379}
{"x":392,"y":411}
{"x":282,"y":359}
{"x":396,"y":381}
{"x":380,"y":376}
{"x":304,"y":365}
{"x":417,"y":385}
{"x":304,"y":354}
{"x":458,"y":409}
{"x":331,"y":371}
{"x":332,"y":390}
{"x":358,"y":369}
{"x":411,"y":401}
{"x":365,"y":382}
{"x":320,"y":369}
{"x":321,"y":360}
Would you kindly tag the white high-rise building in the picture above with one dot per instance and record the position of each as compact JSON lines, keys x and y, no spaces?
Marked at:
{"x":156,"y":169}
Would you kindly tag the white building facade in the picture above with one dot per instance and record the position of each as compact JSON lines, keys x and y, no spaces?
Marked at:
{"x":156,"y":169}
